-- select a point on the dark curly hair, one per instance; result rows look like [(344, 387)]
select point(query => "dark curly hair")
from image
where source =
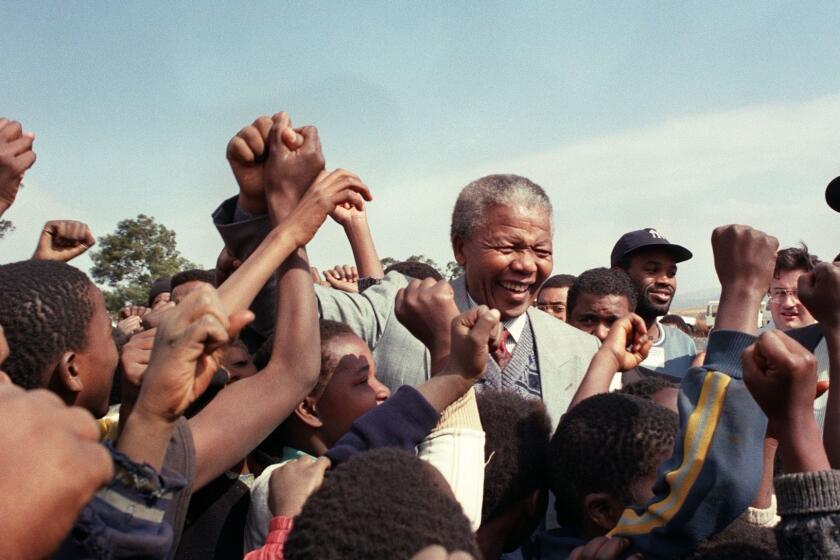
[(605, 444), (795, 258), (415, 269), (194, 275), (383, 503), (559, 281), (602, 282), (647, 386), (45, 310), (517, 431)]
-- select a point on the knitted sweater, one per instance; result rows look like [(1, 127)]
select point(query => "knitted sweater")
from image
[(809, 504)]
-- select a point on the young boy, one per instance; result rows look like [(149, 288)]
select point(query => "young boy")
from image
[(347, 388), (604, 457)]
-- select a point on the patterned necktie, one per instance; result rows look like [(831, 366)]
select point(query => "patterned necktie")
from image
[(501, 354)]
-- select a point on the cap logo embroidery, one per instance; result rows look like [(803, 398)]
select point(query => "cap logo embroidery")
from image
[(655, 234)]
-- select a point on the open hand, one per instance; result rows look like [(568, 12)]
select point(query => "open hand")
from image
[(344, 278), (186, 353), (292, 484), (63, 240), (331, 189), (16, 156)]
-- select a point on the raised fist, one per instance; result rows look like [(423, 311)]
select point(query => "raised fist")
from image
[(16, 156), (781, 376), (819, 291), (294, 163), (63, 240), (744, 257), (426, 308), (474, 333), (628, 342), (58, 447), (292, 484)]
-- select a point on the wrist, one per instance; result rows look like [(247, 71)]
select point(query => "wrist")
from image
[(4, 205), (608, 359), (254, 205)]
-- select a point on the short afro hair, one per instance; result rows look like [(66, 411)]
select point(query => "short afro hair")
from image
[(45, 310), (383, 503), (559, 281), (606, 443), (416, 269), (603, 282), (193, 275), (795, 258), (646, 387), (517, 431)]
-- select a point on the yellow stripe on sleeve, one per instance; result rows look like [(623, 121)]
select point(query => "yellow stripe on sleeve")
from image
[(700, 429)]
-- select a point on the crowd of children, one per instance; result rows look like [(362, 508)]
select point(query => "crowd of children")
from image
[(254, 412)]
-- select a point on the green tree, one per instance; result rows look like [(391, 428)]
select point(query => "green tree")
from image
[(128, 260), (453, 270), (6, 227)]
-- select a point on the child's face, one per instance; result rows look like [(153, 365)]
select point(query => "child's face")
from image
[(98, 360), (238, 362), (353, 388)]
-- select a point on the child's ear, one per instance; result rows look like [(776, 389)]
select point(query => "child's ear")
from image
[(602, 510), (307, 412), (67, 374)]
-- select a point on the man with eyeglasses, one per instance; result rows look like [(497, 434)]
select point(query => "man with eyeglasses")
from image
[(788, 312), (553, 295)]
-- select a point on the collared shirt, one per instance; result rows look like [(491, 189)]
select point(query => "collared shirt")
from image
[(513, 325)]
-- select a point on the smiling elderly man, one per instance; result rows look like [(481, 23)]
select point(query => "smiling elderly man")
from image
[(501, 235)]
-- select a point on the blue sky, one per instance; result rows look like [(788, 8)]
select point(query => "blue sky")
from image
[(680, 116)]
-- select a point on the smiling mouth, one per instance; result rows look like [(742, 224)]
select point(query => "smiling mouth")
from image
[(515, 287)]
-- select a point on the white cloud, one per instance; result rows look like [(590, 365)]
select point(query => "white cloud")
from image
[(763, 165)]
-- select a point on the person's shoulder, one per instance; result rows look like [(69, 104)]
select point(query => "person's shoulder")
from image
[(676, 337)]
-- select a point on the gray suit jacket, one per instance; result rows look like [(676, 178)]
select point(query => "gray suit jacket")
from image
[(563, 352)]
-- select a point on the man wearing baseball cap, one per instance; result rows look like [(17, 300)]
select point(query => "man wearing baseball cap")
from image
[(651, 262)]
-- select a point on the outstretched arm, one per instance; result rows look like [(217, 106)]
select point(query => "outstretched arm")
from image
[(244, 413)]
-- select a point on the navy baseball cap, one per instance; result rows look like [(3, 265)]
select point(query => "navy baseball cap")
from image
[(832, 194), (643, 238)]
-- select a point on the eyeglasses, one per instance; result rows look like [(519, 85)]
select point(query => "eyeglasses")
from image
[(551, 307), (779, 295)]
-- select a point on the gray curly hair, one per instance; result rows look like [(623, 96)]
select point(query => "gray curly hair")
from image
[(492, 190)]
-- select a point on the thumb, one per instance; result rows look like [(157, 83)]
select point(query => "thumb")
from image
[(239, 321), (822, 387), (487, 323)]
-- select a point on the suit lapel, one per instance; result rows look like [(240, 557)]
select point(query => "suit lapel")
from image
[(551, 357)]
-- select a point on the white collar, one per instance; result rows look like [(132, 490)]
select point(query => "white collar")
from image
[(514, 326)]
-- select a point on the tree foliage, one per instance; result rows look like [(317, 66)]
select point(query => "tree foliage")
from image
[(6, 227), (453, 269), (130, 259)]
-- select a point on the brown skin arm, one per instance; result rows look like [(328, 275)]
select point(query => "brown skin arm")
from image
[(244, 413)]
